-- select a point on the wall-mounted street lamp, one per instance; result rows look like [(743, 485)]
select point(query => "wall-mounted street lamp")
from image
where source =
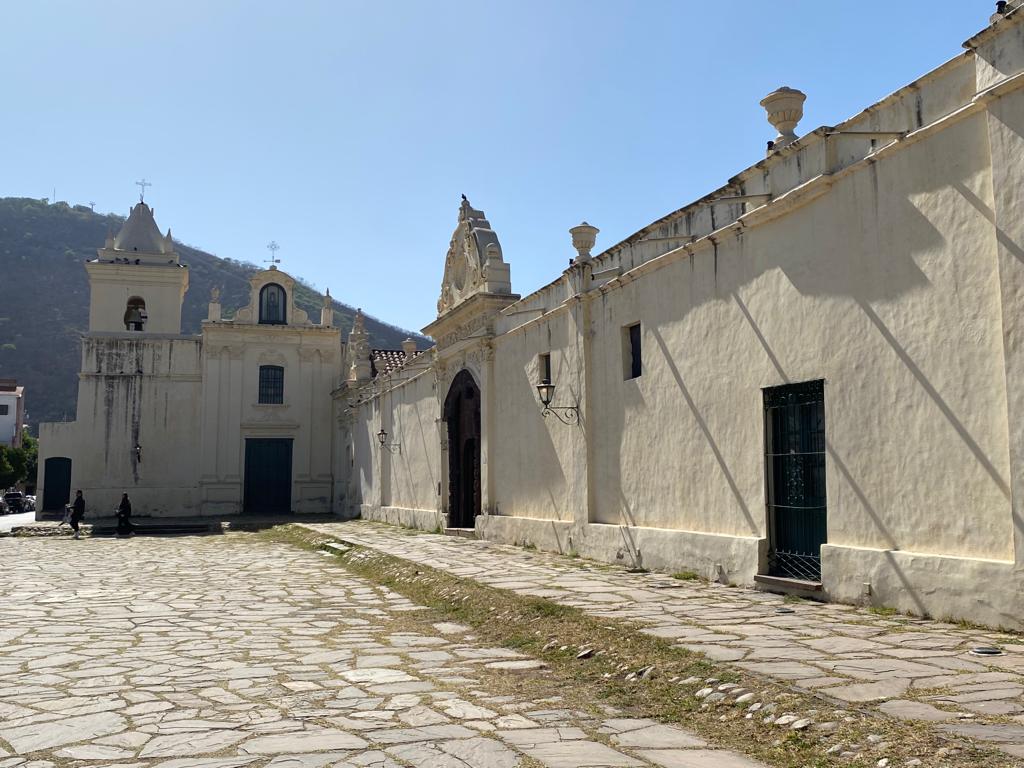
[(382, 438), (567, 414), (137, 450)]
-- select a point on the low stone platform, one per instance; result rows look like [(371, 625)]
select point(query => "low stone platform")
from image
[(106, 525)]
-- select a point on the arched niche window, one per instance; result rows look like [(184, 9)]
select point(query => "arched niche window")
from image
[(135, 314), (272, 299), (271, 385)]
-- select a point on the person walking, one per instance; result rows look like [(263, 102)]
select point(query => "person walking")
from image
[(77, 512), (124, 513)]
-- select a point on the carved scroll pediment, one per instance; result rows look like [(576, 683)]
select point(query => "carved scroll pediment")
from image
[(473, 263)]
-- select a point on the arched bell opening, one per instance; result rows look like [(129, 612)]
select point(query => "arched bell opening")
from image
[(135, 316)]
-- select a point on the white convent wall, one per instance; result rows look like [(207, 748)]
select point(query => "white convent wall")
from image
[(541, 463), (401, 482), (886, 288), (897, 279)]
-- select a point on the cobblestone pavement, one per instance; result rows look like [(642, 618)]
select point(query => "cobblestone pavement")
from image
[(916, 669), (225, 651)]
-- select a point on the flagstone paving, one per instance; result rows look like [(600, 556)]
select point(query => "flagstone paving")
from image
[(232, 652), (911, 668)]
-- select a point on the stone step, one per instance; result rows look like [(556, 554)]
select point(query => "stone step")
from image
[(465, 533), (161, 529)]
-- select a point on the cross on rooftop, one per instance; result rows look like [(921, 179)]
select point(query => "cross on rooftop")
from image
[(273, 247), (142, 185)]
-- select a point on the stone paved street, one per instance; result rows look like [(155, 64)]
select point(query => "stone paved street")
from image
[(909, 668), (225, 651)]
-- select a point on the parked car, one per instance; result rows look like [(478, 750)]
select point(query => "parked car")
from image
[(30, 503), (3, 507), (15, 501)]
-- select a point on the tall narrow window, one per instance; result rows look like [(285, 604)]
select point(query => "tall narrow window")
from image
[(135, 314), (271, 385), (794, 437), (272, 300), (544, 368), (632, 366)]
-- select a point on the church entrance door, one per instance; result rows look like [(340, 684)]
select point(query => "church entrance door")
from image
[(268, 476), (56, 483), (462, 414)]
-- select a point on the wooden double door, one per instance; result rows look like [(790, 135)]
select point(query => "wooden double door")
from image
[(268, 476)]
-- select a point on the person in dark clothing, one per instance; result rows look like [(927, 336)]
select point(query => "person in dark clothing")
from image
[(124, 513), (77, 512)]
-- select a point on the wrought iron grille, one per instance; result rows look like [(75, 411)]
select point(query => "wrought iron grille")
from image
[(794, 419), (271, 385)]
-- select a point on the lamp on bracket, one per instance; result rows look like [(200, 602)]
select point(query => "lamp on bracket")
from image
[(382, 439), (567, 414)]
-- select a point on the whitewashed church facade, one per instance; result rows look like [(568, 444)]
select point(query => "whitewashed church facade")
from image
[(220, 423), (811, 378)]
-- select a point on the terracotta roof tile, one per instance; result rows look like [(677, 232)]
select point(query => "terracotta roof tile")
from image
[(384, 361)]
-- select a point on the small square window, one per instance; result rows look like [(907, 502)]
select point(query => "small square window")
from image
[(5, 409), (632, 366), (544, 368)]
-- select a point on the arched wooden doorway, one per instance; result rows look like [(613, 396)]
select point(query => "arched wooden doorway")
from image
[(462, 414)]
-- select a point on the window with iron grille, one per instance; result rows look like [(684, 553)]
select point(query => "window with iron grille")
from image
[(794, 436), (271, 385)]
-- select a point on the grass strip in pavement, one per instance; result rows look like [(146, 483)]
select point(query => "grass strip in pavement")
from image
[(597, 661)]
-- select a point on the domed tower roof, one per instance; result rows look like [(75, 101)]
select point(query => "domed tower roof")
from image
[(140, 234)]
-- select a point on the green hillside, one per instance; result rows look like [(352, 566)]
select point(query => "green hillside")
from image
[(44, 298)]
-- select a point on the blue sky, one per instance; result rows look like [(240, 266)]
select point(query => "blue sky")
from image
[(346, 131)]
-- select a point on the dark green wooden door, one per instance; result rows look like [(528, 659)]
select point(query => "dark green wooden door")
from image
[(268, 476), (57, 483), (794, 423)]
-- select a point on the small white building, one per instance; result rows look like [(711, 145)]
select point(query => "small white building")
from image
[(12, 413)]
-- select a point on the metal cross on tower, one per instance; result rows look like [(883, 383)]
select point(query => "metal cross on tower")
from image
[(142, 185), (273, 247)]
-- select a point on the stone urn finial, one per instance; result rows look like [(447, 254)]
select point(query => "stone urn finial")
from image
[(785, 107), (583, 238)]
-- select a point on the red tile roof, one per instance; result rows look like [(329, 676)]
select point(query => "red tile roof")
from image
[(384, 361)]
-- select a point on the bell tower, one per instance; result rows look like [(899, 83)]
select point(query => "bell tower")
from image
[(137, 283)]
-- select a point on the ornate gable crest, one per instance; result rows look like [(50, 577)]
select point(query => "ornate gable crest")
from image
[(474, 263)]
